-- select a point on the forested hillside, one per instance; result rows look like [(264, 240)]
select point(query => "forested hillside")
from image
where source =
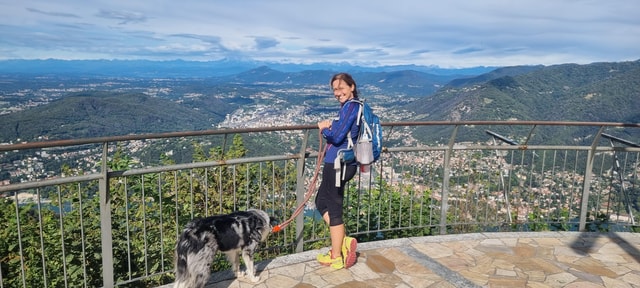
[(599, 92), (96, 114)]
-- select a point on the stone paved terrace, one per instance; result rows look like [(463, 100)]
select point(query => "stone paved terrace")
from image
[(527, 259)]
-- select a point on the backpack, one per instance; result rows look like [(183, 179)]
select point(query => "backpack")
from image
[(368, 147)]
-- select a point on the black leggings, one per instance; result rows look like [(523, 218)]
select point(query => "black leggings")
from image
[(331, 198)]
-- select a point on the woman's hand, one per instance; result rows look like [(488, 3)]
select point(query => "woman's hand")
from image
[(325, 124)]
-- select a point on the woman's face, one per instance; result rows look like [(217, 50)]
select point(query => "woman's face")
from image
[(342, 91)]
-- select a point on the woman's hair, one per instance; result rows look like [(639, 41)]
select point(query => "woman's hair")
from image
[(347, 79)]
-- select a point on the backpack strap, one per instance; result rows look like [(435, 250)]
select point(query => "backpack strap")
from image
[(360, 111), (337, 167), (367, 133), (350, 144)]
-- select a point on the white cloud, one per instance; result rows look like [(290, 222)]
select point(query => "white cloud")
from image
[(453, 33)]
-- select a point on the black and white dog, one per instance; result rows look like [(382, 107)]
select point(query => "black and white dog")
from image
[(233, 234)]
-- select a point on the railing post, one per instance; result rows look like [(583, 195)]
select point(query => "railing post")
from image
[(588, 173), (300, 191), (500, 167), (444, 206), (105, 222)]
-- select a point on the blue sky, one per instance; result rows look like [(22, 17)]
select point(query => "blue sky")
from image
[(445, 33)]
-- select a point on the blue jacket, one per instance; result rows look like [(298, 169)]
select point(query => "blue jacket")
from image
[(344, 125)]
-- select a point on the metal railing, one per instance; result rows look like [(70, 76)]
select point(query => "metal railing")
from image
[(115, 224)]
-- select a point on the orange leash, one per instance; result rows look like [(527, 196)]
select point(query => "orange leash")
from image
[(310, 191)]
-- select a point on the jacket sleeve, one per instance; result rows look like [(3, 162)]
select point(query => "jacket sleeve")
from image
[(341, 127)]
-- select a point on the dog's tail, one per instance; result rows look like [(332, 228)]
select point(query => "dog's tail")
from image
[(193, 258), (182, 270)]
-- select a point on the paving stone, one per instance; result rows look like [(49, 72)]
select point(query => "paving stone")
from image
[(610, 258), (484, 259), (380, 264), (495, 249), (547, 242), (621, 269), (586, 276), (408, 266), (442, 284), (480, 279), (250, 285), (461, 245), (418, 282), (536, 276), (546, 265), (483, 267), (336, 277), (531, 284), (383, 282), (583, 284), (510, 242), (455, 263), (521, 274), (434, 250), (615, 283), (567, 259), (475, 253), (547, 259), (362, 272), (499, 282), (281, 281), (462, 255), (492, 242), (632, 264), (354, 284), (524, 250), (506, 273), (500, 264), (569, 251), (508, 258), (612, 247), (593, 266), (560, 279), (315, 279), (293, 271), (633, 278)]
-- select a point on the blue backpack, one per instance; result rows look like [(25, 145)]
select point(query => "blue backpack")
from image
[(369, 144)]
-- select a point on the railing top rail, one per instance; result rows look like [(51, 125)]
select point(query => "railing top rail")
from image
[(97, 140), (512, 123)]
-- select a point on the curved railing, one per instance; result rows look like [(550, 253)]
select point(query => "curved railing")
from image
[(107, 218)]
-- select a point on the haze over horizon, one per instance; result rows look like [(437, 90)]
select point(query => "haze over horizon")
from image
[(448, 34)]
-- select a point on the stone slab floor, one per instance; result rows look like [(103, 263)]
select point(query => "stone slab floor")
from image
[(531, 259)]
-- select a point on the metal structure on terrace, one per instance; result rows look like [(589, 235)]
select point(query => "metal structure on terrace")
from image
[(106, 218)]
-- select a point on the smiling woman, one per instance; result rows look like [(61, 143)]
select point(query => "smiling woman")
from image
[(337, 172)]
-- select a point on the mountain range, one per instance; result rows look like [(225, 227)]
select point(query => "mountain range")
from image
[(196, 69), (607, 92)]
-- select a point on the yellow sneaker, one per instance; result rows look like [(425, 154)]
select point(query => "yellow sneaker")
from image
[(337, 263), (349, 246), (325, 259)]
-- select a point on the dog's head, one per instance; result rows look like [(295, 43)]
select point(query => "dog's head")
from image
[(267, 221)]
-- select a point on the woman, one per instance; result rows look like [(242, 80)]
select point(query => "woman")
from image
[(336, 173)]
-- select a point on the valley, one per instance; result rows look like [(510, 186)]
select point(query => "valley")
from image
[(40, 107)]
